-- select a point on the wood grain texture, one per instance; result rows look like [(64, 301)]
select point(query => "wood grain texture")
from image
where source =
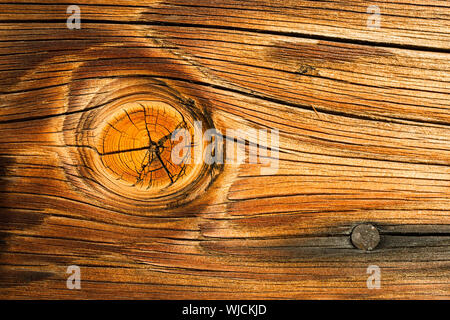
[(363, 117)]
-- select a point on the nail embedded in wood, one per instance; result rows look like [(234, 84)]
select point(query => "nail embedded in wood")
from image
[(365, 237)]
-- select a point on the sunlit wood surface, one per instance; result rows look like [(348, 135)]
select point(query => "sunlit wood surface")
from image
[(363, 116)]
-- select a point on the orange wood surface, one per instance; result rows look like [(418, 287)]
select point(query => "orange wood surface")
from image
[(363, 117)]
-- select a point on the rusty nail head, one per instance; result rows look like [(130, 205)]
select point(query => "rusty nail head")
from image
[(365, 237)]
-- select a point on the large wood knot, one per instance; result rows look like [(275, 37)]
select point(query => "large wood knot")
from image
[(125, 145), (136, 145)]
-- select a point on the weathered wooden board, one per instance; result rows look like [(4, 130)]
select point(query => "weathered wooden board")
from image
[(419, 23), (363, 117)]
